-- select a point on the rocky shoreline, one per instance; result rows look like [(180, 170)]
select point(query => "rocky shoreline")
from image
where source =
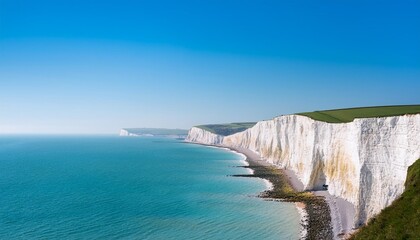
[(318, 222), (285, 188)]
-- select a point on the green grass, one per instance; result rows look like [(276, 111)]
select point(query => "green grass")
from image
[(227, 129), (401, 220), (349, 114)]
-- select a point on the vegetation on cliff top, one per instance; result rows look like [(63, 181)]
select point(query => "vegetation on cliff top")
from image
[(330, 116), (401, 220), (349, 114), (227, 129)]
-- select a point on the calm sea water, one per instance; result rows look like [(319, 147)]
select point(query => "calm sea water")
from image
[(131, 188)]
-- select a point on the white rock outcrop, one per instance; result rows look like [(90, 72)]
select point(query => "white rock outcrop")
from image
[(199, 135), (124, 133), (364, 161)]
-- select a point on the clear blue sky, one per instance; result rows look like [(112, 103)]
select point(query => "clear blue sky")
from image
[(97, 66)]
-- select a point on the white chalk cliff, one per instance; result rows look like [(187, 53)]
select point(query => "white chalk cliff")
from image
[(124, 132), (199, 135), (364, 161)]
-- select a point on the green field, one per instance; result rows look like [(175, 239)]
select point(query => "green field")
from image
[(227, 129), (401, 220), (349, 114), (330, 116)]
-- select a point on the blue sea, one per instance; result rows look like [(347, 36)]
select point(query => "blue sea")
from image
[(106, 187)]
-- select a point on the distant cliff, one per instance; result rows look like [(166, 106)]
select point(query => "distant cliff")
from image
[(364, 161), (154, 132)]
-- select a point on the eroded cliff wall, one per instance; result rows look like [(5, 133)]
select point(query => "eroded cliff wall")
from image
[(199, 135), (364, 161)]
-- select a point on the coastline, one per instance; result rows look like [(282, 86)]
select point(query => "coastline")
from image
[(341, 211), (314, 210), (285, 186)]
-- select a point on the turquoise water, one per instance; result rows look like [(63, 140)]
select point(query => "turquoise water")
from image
[(66, 187)]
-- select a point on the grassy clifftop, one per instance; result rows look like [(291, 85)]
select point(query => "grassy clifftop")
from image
[(227, 129), (330, 116), (401, 220), (349, 114)]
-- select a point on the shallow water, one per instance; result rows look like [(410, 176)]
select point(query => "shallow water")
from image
[(78, 187)]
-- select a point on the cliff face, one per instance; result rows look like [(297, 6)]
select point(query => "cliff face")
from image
[(364, 161), (199, 135), (124, 132)]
